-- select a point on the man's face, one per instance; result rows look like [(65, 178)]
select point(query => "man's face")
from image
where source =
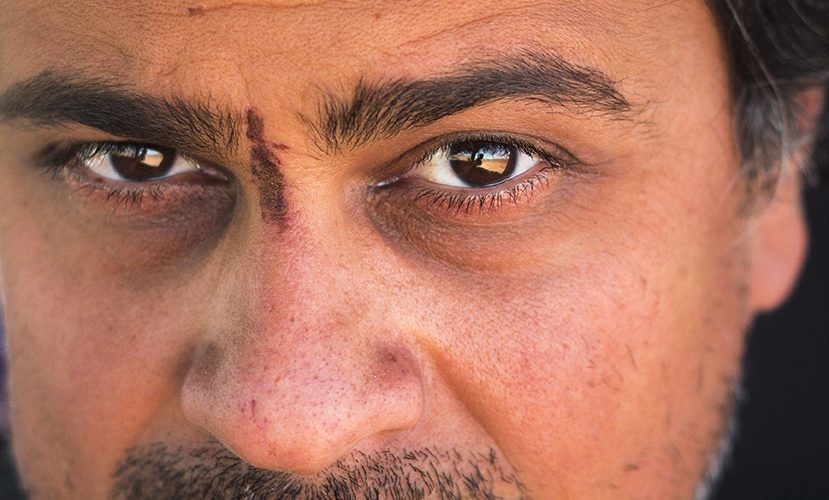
[(413, 247)]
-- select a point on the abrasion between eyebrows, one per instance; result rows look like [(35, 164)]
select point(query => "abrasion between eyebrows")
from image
[(266, 169)]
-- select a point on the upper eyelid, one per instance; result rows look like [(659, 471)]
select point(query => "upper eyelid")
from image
[(72, 156), (65, 151), (554, 153), (561, 156), (87, 151), (106, 147), (81, 151)]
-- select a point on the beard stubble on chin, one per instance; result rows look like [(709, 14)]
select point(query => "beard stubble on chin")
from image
[(157, 471)]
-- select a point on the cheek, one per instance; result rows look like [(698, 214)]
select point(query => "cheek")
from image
[(96, 345), (87, 372), (606, 361)]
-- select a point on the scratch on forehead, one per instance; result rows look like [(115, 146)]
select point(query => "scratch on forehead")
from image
[(265, 167)]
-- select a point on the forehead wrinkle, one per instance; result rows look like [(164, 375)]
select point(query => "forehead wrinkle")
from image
[(217, 6), (487, 20), (198, 8), (551, 19)]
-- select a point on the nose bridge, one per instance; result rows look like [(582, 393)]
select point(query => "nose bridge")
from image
[(309, 375)]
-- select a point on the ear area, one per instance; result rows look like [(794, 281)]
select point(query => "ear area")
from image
[(780, 238), (779, 242)]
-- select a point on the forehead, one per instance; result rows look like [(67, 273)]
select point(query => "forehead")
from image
[(261, 46)]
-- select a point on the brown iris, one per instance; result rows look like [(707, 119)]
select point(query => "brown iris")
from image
[(140, 163), (482, 163)]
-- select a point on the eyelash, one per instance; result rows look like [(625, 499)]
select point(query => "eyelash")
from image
[(61, 162), (486, 202), (505, 139), (467, 201), (64, 161)]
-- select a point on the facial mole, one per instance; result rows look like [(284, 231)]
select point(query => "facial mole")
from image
[(196, 10), (265, 168)]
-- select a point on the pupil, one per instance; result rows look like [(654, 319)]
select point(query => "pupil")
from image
[(141, 163), (482, 163)]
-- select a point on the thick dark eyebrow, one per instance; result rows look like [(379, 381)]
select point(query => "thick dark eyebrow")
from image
[(384, 109), (54, 98)]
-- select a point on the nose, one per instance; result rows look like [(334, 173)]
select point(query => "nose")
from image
[(308, 379), (301, 404)]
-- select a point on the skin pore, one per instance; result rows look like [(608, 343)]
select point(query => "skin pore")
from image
[(572, 332)]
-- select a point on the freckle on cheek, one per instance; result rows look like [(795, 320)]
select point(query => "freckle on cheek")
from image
[(265, 167)]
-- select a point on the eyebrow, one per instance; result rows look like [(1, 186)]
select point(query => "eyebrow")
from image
[(54, 98), (372, 110), (384, 109)]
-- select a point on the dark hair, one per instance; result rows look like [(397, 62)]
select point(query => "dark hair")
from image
[(777, 48)]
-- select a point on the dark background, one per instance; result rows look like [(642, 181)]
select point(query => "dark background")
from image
[(782, 450)]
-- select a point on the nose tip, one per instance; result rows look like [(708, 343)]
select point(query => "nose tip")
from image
[(302, 409)]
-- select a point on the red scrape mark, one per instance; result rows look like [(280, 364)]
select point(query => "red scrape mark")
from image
[(265, 167)]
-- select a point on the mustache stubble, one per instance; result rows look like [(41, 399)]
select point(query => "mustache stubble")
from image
[(158, 471)]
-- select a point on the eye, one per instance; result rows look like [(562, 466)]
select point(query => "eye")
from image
[(477, 174), (128, 174), (474, 164), (135, 162)]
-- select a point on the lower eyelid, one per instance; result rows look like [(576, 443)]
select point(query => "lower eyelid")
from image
[(502, 200), (418, 221), (124, 200), (182, 223)]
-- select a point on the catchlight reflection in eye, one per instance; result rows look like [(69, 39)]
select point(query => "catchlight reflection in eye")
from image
[(474, 164), (136, 163)]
